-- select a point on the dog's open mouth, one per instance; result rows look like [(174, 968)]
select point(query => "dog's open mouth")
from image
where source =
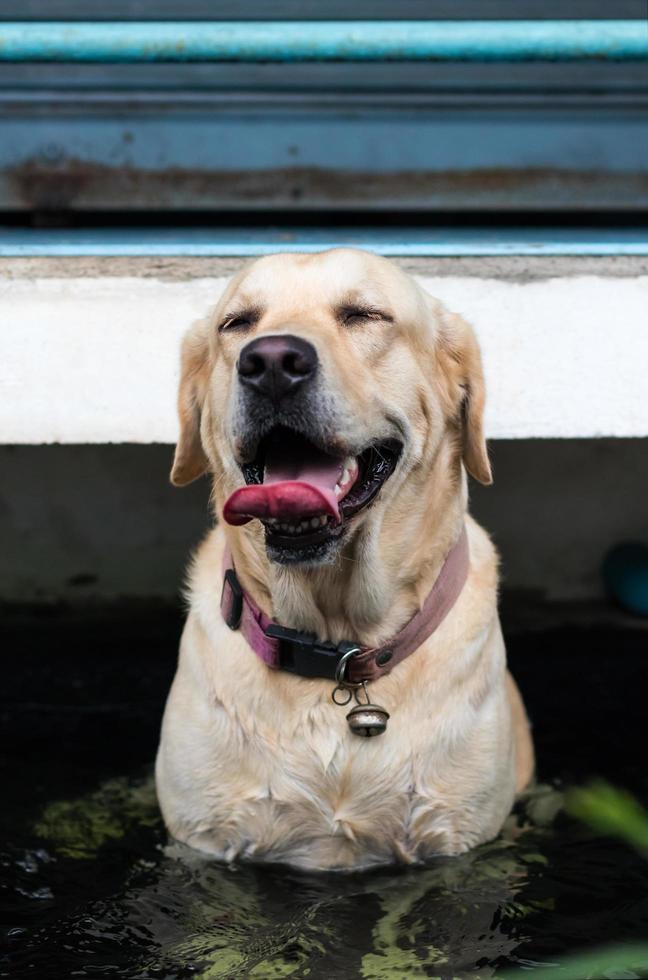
[(303, 494)]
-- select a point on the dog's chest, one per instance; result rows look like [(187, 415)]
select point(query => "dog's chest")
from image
[(319, 796)]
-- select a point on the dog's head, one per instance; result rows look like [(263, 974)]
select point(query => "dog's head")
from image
[(320, 387)]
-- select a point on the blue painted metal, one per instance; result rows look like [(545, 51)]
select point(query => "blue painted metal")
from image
[(252, 41), (244, 242), (589, 156)]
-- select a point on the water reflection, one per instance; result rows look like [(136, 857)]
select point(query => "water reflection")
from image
[(103, 892)]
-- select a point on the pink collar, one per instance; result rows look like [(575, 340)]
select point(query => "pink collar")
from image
[(304, 654)]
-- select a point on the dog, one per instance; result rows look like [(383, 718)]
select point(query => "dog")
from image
[(337, 407)]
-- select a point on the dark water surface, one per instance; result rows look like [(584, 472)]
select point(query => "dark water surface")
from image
[(91, 887)]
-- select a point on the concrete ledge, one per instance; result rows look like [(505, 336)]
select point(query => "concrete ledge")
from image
[(171, 268)]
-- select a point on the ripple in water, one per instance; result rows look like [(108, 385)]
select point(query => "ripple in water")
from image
[(100, 891)]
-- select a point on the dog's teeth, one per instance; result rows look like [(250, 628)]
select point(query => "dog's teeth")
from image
[(349, 468), (298, 528)]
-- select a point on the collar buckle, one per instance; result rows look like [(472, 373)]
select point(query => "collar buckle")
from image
[(304, 654)]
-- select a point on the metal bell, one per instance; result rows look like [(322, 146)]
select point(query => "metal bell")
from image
[(367, 720)]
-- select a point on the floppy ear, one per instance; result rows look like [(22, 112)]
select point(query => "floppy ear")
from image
[(190, 460), (462, 362)]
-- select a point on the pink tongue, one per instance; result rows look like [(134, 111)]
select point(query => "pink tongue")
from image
[(298, 482)]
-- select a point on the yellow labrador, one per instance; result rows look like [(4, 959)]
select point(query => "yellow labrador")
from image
[(337, 406)]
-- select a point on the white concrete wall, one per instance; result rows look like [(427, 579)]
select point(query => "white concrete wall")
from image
[(94, 360)]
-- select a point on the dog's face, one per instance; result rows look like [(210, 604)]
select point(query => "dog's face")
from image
[(318, 388)]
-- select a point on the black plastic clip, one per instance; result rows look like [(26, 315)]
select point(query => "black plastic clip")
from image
[(305, 655), (232, 600)]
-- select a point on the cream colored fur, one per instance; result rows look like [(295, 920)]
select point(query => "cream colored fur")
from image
[(255, 763)]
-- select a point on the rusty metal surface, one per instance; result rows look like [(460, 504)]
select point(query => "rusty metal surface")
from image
[(293, 157), (417, 137), (81, 186)]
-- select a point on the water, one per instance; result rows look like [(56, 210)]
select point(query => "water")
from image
[(92, 887)]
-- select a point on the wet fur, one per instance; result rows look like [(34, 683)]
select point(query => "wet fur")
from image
[(260, 764)]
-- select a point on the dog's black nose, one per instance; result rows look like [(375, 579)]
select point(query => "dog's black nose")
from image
[(276, 366)]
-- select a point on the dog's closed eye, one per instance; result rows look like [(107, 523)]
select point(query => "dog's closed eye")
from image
[(356, 315), (241, 320)]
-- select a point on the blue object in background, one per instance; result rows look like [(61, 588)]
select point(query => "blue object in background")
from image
[(625, 573)]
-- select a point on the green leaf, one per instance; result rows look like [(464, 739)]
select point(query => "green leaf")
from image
[(610, 811)]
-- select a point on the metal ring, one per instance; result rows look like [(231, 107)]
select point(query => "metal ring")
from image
[(340, 670), (346, 691)]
